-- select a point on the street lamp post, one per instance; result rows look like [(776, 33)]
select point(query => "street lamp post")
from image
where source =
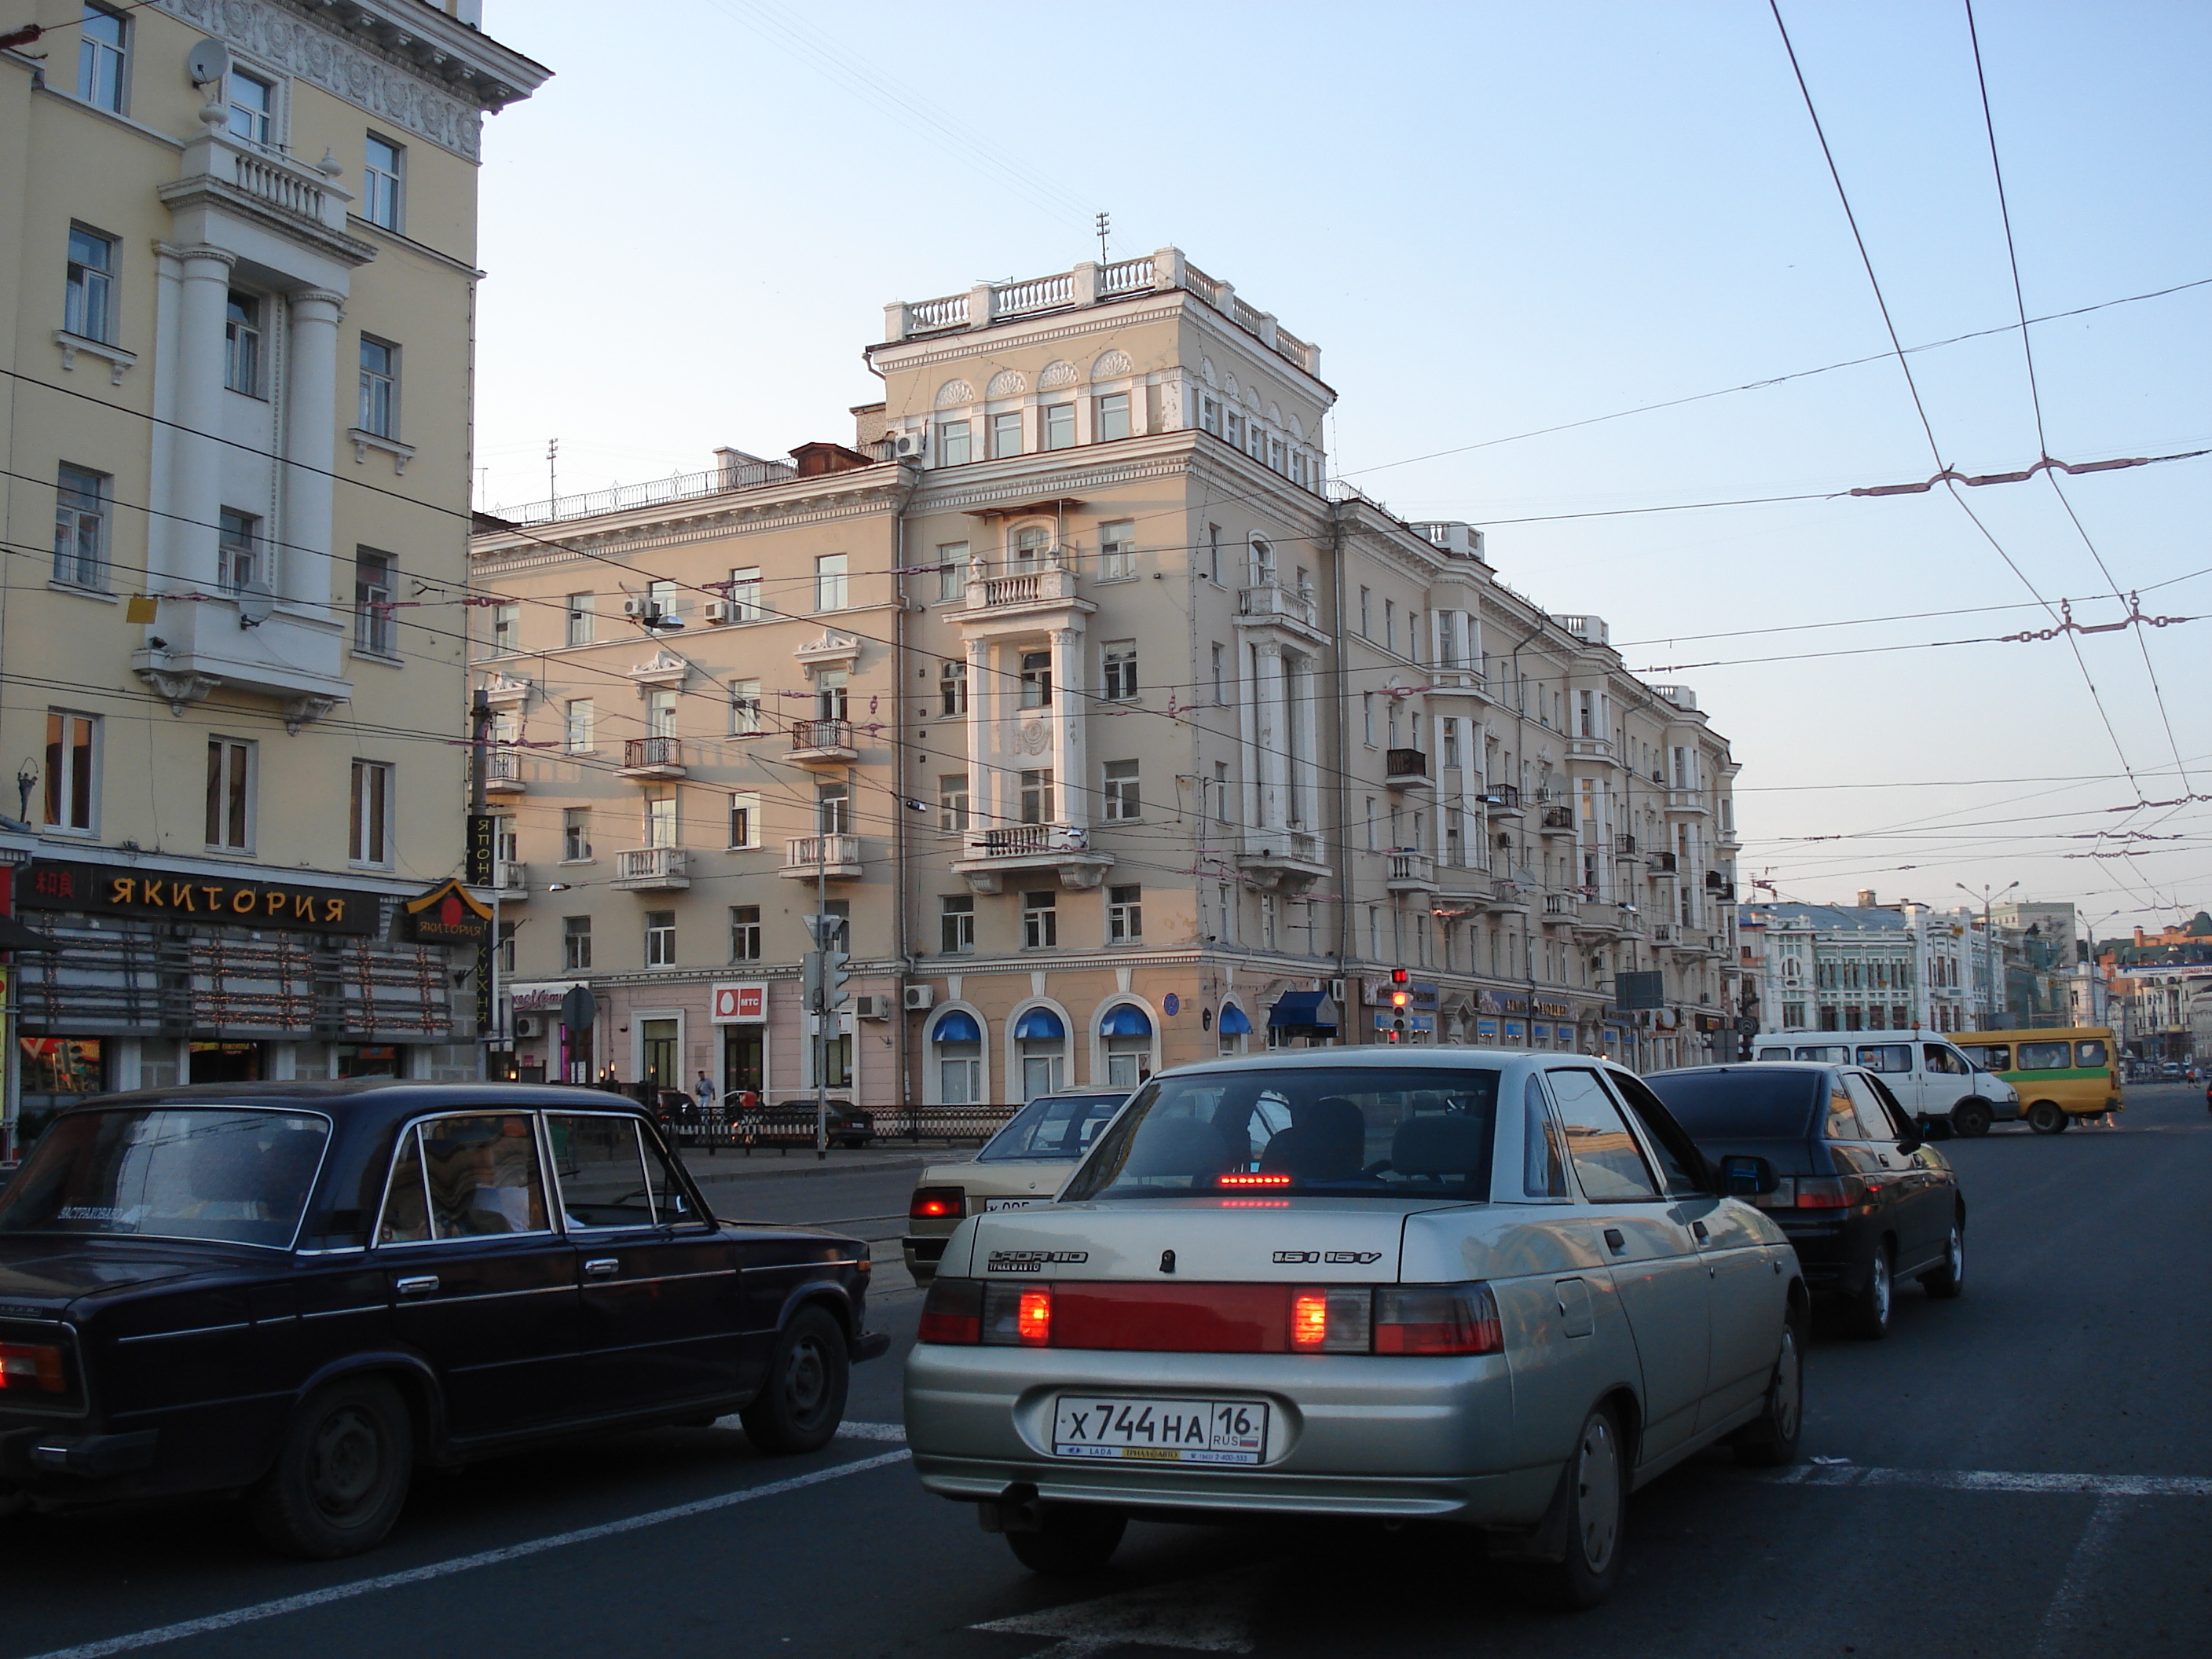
[(1990, 958)]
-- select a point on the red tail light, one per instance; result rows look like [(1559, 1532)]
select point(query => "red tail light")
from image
[(1309, 1320), (1437, 1319), (938, 1203), (1144, 1318), (1822, 1193), (1033, 1319), (954, 1311), (32, 1366)]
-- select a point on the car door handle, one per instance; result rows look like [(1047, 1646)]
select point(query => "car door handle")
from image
[(417, 1285), (1613, 1238), (1698, 1228), (602, 1267)]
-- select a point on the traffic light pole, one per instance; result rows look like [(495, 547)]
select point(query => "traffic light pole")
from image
[(822, 997)]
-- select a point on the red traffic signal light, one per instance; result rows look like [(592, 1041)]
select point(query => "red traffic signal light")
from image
[(1400, 976), (1400, 999)]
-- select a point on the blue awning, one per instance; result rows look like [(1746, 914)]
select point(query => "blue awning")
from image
[(1125, 1021), (957, 1027), (1233, 1023), (1303, 1011), (1041, 1022)]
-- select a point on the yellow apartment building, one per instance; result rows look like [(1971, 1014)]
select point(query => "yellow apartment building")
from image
[(238, 294), (1121, 736)]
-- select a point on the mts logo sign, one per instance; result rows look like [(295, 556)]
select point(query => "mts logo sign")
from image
[(740, 1004)]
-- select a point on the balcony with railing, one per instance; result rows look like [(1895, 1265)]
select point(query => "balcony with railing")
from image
[(1692, 802), (1662, 864), (229, 175), (1558, 907), (1503, 800), (651, 757), (1590, 750), (503, 772), (1624, 847), (1411, 872), (652, 870), (1283, 859), (511, 881), (1509, 899), (1027, 595), (1406, 769), (830, 858), (738, 472), (1602, 916), (1272, 604), (813, 741), (1558, 821), (988, 855)]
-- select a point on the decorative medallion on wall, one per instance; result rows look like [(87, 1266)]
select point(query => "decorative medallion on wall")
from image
[(1057, 374), (1006, 383), (1206, 371), (1112, 366), (1036, 737), (954, 392)]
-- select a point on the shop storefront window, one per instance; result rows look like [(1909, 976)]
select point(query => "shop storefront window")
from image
[(658, 1059), (229, 1062), (57, 1073), (368, 1059)]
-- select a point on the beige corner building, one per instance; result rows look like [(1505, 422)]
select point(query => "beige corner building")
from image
[(238, 292), (1122, 737)]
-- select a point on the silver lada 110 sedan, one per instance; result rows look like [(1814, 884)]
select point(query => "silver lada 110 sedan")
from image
[(1492, 1288)]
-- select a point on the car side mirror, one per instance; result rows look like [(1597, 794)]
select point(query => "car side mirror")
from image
[(1743, 1175)]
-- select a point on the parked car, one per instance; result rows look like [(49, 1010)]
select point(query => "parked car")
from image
[(1021, 1165), (302, 1291), (1929, 1073), (1864, 1200), (1471, 1285)]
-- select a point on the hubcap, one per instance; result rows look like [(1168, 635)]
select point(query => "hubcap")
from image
[(1955, 1256), (805, 1379), (346, 1464), (1789, 1387), (1597, 1482), (1880, 1286)]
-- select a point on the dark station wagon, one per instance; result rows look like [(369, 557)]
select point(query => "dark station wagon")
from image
[(301, 1291)]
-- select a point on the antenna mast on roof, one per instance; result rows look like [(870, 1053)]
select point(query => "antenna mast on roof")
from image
[(1105, 222)]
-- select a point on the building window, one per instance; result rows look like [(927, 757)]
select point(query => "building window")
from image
[(1041, 919), (1117, 550), (1451, 745), (577, 719), (744, 932), (102, 43), (88, 310), (830, 582), (660, 713), (80, 527), (952, 445), (238, 544), (372, 625), (832, 694), (956, 924), (1005, 434), (745, 819), (1218, 659), (72, 769), (746, 708), (1111, 417), (381, 182), (1118, 658), (661, 938), (1364, 599), (1367, 718), (1125, 914), (952, 572), (952, 803), (1263, 560), (1031, 544), (242, 344), (252, 105), (575, 835), (368, 839), (1221, 792), (661, 602), (833, 809), (1370, 823), (506, 625), (745, 594), (575, 944), (1036, 797), (1233, 429), (1122, 790), (952, 687), (380, 388), (661, 824), (1209, 415), (580, 618), (1213, 554), (229, 795), (1037, 679)]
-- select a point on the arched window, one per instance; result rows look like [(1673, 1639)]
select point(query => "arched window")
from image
[(1031, 543), (1040, 1042), (1234, 1028), (1261, 561), (957, 1041), (1126, 1034)]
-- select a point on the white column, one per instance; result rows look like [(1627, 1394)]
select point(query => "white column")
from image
[(303, 571), (196, 487), (981, 691), (1271, 733), (1067, 759)]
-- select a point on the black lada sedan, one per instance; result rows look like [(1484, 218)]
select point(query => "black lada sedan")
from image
[(301, 1291)]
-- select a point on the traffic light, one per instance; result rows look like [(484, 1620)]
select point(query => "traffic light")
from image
[(810, 981), (836, 969), (1401, 997)]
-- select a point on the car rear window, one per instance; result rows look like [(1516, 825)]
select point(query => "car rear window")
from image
[(226, 1173), (1745, 1105), (1346, 1133), (1051, 1127)]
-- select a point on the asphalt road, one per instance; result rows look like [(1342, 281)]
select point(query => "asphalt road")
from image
[(2022, 1473)]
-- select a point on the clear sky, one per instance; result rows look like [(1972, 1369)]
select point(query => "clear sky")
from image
[(1497, 218)]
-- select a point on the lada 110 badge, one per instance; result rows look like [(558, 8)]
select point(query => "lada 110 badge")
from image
[(1030, 1261), (1335, 1258)]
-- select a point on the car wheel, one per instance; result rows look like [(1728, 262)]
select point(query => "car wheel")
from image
[(2046, 1118), (341, 1474), (1070, 1540), (1971, 1118), (802, 1402), (1948, 1280), (1867, 1314), (1769, 1441), (1597, 1501)]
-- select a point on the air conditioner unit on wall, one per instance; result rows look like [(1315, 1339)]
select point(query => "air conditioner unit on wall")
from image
[(718, 610), (633, 606), (529, 1025), (921, 996), (872, 1007), (909, 446)]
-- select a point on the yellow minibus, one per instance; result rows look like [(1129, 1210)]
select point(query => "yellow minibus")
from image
[(2062, 1073)]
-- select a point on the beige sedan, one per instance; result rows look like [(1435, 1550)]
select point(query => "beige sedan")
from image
[(1024, 1164)]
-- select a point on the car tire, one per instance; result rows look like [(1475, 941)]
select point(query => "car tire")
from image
[(1597, 1506), (1949, 1280), (1070, 1540), (1867, 1314), (1971, 1118), (803, 1401), (341, 1475), (1769, 1441), (2046, 1117)]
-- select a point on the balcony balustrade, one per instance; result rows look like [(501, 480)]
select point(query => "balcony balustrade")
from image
[(1406, 769), (1504, 801), (652, 869), (1558, 820), (503, 772), (1411, 873), (833, 857), (822, 740), (651, 757)]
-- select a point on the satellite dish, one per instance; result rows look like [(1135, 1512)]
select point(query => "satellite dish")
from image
[(208, 62), (255, 602)]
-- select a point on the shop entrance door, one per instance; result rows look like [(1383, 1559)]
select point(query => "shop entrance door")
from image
[(229, 1063), (745, 1058), (658, 1055)]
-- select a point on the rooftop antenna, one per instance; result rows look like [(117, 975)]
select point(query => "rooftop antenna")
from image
[(552, 449), (1105, 222)]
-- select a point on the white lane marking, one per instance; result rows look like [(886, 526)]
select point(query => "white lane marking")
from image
[(892, 1432), (278, 1609), (2101, 1486), (2065, 1609), (1212, 1615)]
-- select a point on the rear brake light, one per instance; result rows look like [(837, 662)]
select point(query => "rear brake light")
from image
[(1308, 1319), (1017, 1316), (954, 1311), (32, 1365), (938, 1203), (1239, 1182), (1033, 1319), (1822, 1193), (1437, 1319)]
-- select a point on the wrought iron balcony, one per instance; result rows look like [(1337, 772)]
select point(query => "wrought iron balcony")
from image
[(503, 772), (1558, 820), (651, 757), (822, 740), (1406, 769)]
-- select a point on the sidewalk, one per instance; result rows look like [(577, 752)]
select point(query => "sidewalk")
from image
[(731, 1163)]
